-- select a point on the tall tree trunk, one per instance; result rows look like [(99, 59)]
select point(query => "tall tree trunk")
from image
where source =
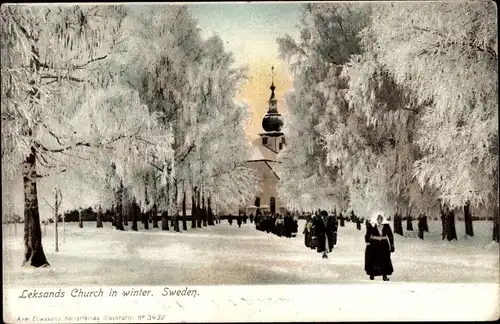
[(33, 249), (172, 217), (184, 216), (495, 235), (194, 213), (112, 213), (421, 226), (199, 212), (210, 213), (496, 224), (119, 208), (469, 230), (204, 213), (80, 218), (126, 207), (145, 217), (444, 223), (452, 232), (176, 212), (135, 213), (56, 212), (126, 213), (99, 217), (164, 214), (154, 215), (154, 212), (64, 228)]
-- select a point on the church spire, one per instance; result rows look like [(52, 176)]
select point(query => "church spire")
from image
[(272, 122), (272, 85)]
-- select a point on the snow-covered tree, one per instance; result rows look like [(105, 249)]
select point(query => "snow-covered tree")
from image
[(328, 39), (218, 163), (444, 52), (59, 96), (192, 83)]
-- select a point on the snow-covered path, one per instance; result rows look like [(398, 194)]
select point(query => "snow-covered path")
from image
[(229, 255)]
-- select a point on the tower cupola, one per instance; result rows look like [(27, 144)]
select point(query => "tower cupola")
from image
[(272, 123)]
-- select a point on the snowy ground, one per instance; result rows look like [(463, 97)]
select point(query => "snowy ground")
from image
[(229, 255)]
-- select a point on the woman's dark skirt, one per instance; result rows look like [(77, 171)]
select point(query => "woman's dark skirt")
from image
[(378, 258)]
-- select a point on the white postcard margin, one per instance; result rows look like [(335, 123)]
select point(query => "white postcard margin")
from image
[(371, 301)]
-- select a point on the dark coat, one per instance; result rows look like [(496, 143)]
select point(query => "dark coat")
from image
[(324, 230), (378, 251), (288, 226), (279, 227)]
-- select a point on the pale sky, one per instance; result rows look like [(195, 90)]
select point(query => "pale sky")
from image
[(250, 30)]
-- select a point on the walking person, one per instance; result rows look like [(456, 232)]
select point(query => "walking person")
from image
[(308, 232), (238, 221), (280, 226), (324, 231), (379, 246)]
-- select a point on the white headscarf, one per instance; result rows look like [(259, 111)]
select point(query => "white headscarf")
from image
[(373, 220)]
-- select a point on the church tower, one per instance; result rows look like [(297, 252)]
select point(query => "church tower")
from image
[(272, 137)]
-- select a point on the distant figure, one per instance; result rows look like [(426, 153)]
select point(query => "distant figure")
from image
[(245, 217), (353, 217), (230, 219), (258, 220), (251, 218), (379, 246), (238, 221), (421, 226), (279, 226), (288, 226), (295, 224), (308, 232), (268, 222), (324, 228)]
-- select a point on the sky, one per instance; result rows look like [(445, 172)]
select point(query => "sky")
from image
[(250, 30)]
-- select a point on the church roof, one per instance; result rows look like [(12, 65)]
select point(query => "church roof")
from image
[(277, 168), (261, 153)]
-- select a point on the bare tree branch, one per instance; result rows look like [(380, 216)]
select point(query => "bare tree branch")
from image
[(48, 204), (49, 174), (53, 134), (76, 67), (63, 77)]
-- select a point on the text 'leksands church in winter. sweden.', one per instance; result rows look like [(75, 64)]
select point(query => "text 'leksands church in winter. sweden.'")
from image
[(264, 160)]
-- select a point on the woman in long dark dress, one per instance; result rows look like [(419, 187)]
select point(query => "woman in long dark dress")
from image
[(379, 246), (324, 227)]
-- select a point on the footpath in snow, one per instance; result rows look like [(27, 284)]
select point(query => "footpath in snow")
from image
[(224, 254)]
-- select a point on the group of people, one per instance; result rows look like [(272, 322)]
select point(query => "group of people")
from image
[(280, 225), (320, 233), (240, 219)]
